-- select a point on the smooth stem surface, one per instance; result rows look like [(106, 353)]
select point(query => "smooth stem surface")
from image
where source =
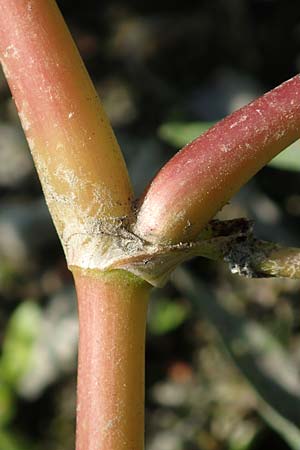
[(80, 165), (110, 393), (200, 179)]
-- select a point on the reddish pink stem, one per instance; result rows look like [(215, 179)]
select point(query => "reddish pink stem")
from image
[(205, 174), (110, 394)]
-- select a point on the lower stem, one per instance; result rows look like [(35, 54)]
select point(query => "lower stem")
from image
[(110, 393)]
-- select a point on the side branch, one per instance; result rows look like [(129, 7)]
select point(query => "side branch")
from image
[(232, 241), (200, 179)]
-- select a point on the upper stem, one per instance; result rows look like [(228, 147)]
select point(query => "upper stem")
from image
[(112, 317), (78, 159)]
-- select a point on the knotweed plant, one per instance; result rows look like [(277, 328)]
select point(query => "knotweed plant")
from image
[(117, 251)]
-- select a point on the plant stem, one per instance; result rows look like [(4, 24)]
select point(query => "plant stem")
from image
[(200, 179), (112, 317), (78, 159)]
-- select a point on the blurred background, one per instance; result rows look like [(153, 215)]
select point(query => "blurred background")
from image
[(223, 356)]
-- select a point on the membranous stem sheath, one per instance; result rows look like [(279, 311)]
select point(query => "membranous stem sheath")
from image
[(112, 316)]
